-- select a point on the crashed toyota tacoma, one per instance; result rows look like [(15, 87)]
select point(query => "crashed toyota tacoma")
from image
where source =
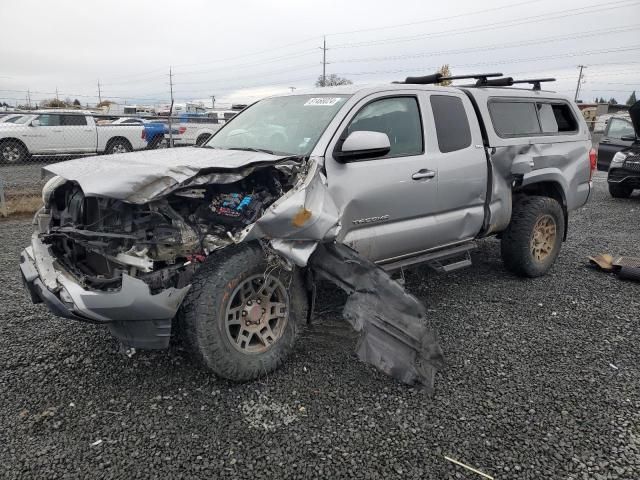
[(226, 242)]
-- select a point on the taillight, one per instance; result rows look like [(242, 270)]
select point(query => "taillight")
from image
[(144, 134), (593, 162), (181, 130)]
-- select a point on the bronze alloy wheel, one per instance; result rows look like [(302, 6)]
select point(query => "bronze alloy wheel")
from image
[(543, 238), (257, 314)]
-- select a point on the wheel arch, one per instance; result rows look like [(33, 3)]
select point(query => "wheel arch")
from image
[(112, 140), (14, 140)]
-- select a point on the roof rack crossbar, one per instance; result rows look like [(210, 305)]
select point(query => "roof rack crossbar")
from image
[(438, 77), (535, 82)]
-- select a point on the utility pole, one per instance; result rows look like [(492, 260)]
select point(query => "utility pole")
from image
[(99, 93), (324, 61), (292, 89), (581, 67), (213, 101), (57, 94), (171, 107)]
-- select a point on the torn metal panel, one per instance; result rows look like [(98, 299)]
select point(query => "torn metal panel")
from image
[(299, 219), (395, 335), (153, 173)]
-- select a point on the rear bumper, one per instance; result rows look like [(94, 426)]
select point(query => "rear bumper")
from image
[(134, 315)]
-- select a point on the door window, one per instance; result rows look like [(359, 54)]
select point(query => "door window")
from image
[(452, 124), (49, 120), (74, 120), (619, 127), (399, 118)]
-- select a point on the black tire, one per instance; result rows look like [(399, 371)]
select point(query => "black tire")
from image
[(204, 314), (202, 139), (118, 145), (521, 248), (620, 191), (12, 151)]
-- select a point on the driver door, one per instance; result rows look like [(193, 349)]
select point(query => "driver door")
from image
[(388, 202)]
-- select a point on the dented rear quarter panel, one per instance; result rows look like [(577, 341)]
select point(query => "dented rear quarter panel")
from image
[(559, 158)]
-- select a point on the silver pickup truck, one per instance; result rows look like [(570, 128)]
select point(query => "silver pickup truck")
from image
[(224, 240)]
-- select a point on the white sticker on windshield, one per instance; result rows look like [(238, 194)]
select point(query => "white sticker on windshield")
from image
[(322, 102)]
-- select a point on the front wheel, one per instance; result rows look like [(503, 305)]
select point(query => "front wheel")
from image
[(241, 318), (531, 243), (13, 152), (620, 191)]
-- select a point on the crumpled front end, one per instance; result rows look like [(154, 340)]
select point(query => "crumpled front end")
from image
[(127, 260)]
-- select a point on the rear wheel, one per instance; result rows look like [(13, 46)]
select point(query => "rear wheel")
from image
[(13, 152), (241, 318), (119, 145), (620, 191), (531, 242)]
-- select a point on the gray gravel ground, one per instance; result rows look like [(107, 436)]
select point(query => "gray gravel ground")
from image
[(542, 381)]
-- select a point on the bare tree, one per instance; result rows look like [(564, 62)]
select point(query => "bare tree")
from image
[(446, 72), (332, 81)]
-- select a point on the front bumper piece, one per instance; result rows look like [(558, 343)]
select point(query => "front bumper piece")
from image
[(134, 315)]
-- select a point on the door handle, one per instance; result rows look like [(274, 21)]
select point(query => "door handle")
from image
[(57, 131), (420, 174), (604, 140)]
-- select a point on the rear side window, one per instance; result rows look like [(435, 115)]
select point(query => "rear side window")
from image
[(49, 120), (399, 118), (512, 119), (74, 120), (556, 118), (452, 125)]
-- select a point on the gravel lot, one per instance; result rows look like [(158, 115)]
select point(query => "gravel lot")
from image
[(542, 381)]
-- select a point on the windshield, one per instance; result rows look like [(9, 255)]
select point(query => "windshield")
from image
[(282, 125)]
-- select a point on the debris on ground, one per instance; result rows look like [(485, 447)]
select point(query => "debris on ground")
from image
[(471, 469), (395, 337), (627, 268)]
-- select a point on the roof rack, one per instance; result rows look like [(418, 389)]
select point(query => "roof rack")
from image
[(509, 81), (438, 77)]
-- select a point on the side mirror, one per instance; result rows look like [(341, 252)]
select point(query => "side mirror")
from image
[(361, 145), (628, 138), (35, 123)]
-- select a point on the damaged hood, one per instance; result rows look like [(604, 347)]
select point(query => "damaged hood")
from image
[(138, 177)]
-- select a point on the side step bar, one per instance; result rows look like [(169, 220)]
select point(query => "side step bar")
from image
[(445, 260)]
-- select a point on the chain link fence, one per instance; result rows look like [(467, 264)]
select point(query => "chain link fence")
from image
[(30, 140)]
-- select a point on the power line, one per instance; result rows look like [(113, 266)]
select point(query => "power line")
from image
[(501, 24), (496, 46), (437, 19)]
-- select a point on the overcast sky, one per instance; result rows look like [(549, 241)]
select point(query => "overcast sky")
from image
[(241, 50)]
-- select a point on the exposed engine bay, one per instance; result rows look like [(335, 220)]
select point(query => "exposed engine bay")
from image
[(97, 239)]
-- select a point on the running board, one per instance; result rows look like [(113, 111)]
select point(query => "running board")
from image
[(445, 260)]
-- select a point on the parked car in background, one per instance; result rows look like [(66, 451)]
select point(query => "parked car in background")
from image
[(66, 132), (196, 129), (618, 135), (624, 169)]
